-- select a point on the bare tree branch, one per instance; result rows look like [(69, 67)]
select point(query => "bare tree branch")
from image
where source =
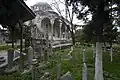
[(70, 14)]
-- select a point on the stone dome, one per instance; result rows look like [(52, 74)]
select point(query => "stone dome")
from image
[(43, 6)]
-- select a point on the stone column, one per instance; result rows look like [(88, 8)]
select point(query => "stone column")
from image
[(10, 58), (60, 29), (51, 41), (60, 32), (52, 23), (65, 32)]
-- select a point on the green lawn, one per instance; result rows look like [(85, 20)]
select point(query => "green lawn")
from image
[(74, 65), (6, 47), (111, 69)]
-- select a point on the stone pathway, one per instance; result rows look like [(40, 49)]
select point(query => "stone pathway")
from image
[(61, 45)]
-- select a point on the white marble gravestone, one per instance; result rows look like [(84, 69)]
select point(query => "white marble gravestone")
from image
[(58, 71), (30, 55), (84, 73), (66, 76), (46, 76)]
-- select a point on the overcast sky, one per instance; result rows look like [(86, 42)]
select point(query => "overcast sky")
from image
[(62, 7)]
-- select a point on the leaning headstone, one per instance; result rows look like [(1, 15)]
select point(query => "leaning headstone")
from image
[(84, 74), (66, 76), (10, 58), (16, 53), (58, 71), (30, 55), (71, 48), (46, 76), (69, 55)]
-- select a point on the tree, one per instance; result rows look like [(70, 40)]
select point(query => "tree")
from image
[(100, 10), (69, 16), (79, 36), (27, 34)]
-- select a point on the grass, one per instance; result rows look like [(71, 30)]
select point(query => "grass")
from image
[(74, 65), (6, 47), (111, 69)]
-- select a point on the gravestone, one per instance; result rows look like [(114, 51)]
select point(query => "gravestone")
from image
[(10, 58), (42, 54), (30, 55), (39, 51), (37, 55), (58, 71), (69, 56), (84, 58), (33, 66), (46, 76), (71, 48), (46, 55), (16, 54), (84, 74), (66, 76)]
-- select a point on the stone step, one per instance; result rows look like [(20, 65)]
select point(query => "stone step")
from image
[(2, 60), (1, 57)]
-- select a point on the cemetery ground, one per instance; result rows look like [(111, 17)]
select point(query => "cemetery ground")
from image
[(74, 65), (111, 69)]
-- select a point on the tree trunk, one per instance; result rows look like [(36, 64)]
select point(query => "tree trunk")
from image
[(12, 37), (111, 52), (73, 37), (104, 47), (94, 50), (98, 62)]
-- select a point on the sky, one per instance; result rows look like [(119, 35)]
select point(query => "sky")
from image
[(62, 7)]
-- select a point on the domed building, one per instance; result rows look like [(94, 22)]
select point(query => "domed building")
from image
[(48, 30), (48, 22)]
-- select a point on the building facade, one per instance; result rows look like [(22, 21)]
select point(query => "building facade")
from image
[(48, 22)]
